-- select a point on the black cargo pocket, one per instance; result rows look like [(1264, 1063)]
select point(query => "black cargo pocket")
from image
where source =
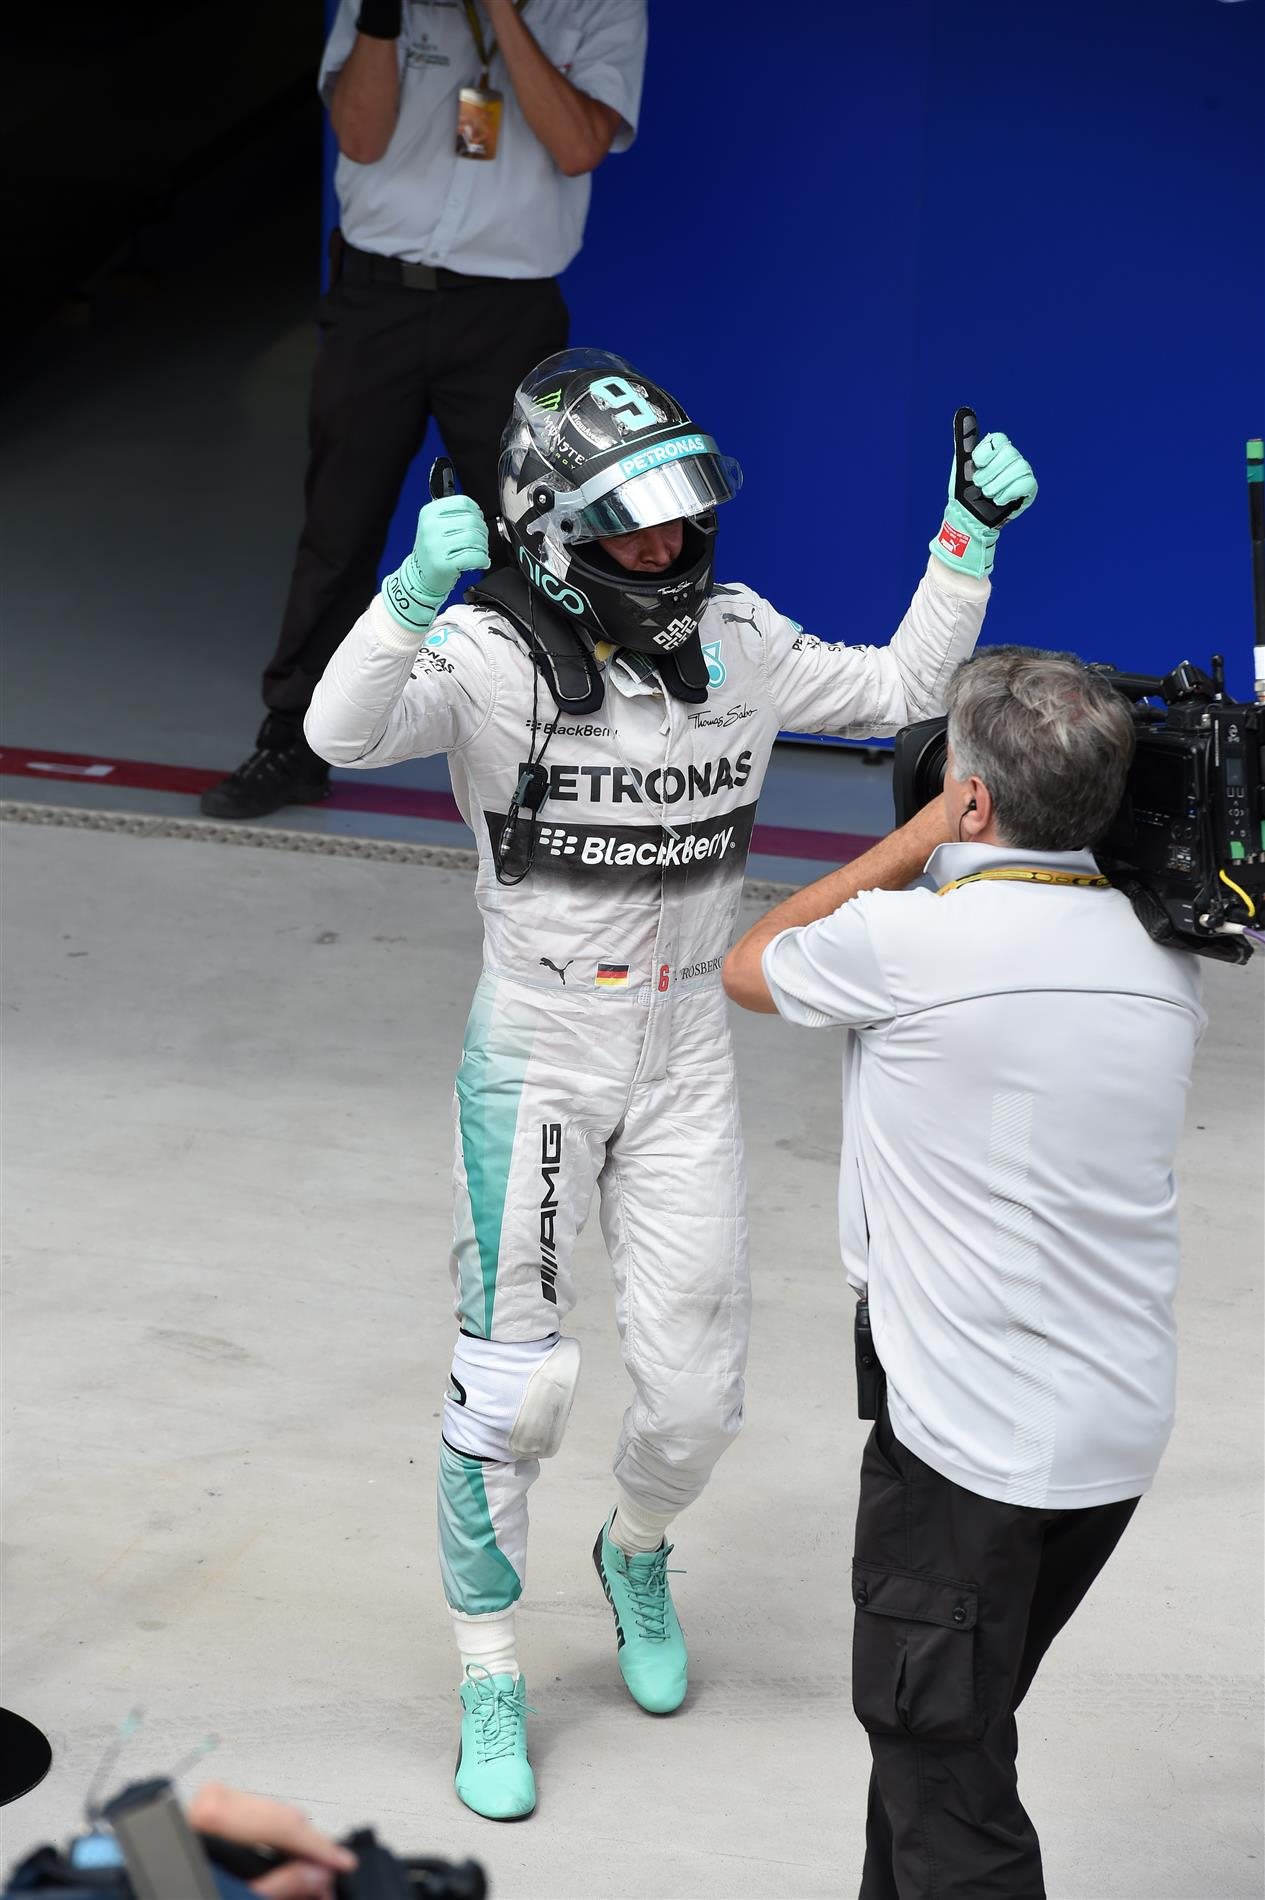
[(913, 1655)]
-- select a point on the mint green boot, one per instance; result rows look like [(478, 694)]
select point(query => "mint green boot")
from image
[(652, 1658), (494, 1776)]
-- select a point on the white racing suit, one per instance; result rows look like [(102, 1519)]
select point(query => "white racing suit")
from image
[(598, 1053)]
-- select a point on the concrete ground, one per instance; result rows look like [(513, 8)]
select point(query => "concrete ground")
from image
[(227, 1157)]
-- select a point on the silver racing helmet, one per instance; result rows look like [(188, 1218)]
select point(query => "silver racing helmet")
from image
[(594, 449)]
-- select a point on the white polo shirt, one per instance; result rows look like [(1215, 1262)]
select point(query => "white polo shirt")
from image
[(512, 216), (1015, 1080)]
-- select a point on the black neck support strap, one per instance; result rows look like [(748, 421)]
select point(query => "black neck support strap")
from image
[(565, 656), (684, 673)]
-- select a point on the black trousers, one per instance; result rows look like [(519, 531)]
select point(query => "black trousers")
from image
[(390, 358), (957, 1599)]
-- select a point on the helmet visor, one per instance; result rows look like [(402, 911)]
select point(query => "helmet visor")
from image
[(645, 489)]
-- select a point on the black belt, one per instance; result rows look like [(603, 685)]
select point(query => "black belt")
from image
[(367, 267)]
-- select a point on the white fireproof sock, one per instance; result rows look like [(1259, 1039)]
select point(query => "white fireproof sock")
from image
[(486, 1640), (636, 1531)]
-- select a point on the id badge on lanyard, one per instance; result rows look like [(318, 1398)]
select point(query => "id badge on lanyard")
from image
[(479, 108)]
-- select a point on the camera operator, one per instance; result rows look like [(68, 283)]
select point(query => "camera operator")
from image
[(1015, 1079)]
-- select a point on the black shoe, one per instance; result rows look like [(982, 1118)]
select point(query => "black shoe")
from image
[(272, 777)]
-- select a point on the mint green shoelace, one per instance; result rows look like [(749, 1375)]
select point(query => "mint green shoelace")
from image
[(501, 1718), (650, 1593)]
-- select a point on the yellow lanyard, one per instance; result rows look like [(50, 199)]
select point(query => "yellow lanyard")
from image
[(486, 50), (1028, 874)]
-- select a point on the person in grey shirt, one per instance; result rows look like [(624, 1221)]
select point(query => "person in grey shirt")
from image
[(467, 135), (1016, 1066)]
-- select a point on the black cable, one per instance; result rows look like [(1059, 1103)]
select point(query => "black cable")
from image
[(533, 780)]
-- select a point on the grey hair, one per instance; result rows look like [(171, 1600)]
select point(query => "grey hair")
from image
[(1050, 738)]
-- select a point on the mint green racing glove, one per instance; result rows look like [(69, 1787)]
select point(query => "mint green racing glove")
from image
[(452, 538), (989, 483)]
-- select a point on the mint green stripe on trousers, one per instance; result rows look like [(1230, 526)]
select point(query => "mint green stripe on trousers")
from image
[(490, 1084), (482, 1531)]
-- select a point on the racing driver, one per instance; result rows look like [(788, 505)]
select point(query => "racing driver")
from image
[(608, 711)]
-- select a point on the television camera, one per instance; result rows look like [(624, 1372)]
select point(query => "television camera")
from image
[(139, 1846), (1187, 844)]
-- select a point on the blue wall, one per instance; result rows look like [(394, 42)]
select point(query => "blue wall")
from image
[(838, 224)]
